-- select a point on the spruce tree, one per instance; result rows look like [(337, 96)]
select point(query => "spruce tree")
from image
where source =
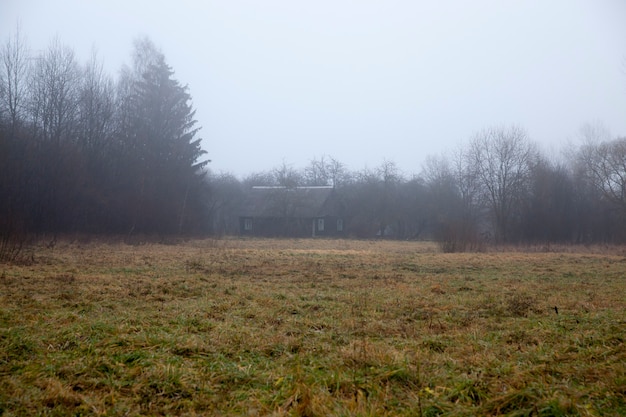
[(159, 141)]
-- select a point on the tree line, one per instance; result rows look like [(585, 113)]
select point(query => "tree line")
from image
[(80, 152), (83, 152), (497, 189)]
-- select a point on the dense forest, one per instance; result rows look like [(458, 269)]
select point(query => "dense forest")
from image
[(83, 152)]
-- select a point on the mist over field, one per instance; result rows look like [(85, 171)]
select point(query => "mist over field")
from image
[(470, 125)]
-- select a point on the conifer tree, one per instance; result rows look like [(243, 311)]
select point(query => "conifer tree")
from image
[(160, 144)]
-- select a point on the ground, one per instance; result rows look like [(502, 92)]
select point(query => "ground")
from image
[(312, 327)]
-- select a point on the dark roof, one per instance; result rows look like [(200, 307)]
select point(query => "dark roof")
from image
[(300, 202)]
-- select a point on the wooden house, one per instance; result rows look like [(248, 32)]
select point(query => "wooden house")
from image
[(291, 212)]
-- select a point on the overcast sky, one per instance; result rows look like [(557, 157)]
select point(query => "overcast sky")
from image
[(361, 81)]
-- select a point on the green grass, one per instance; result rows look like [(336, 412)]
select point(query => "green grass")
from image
[(303, 328)]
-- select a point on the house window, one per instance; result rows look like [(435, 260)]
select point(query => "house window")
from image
[(340, 225), (320, 225), (247, 224)]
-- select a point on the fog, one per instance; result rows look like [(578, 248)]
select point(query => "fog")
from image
[(363, 82)]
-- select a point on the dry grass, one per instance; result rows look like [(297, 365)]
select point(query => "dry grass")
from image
[(311, 327)]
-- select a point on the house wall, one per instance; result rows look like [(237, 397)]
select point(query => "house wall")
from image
[(330, 226), (276, 227), (289, 227)]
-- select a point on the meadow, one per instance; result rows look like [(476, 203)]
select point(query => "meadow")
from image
[(312, 328)]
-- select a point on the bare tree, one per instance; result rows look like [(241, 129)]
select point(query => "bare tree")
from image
[(605, 165), (452, 201), (264, 178), (225, 199), (468, 182), (593, 133), (54, 93), (286, 176), (95, 107), (372, 200), (550, 212), (52, 109), (13, 160), (316, 173), (502, 159), (412, 207), (391, 178), (14, 58), (326, 171), (339, 174)]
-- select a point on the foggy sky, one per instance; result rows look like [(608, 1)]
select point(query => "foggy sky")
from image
[(362, 81)]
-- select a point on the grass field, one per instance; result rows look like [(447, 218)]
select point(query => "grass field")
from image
[(312, 327)]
